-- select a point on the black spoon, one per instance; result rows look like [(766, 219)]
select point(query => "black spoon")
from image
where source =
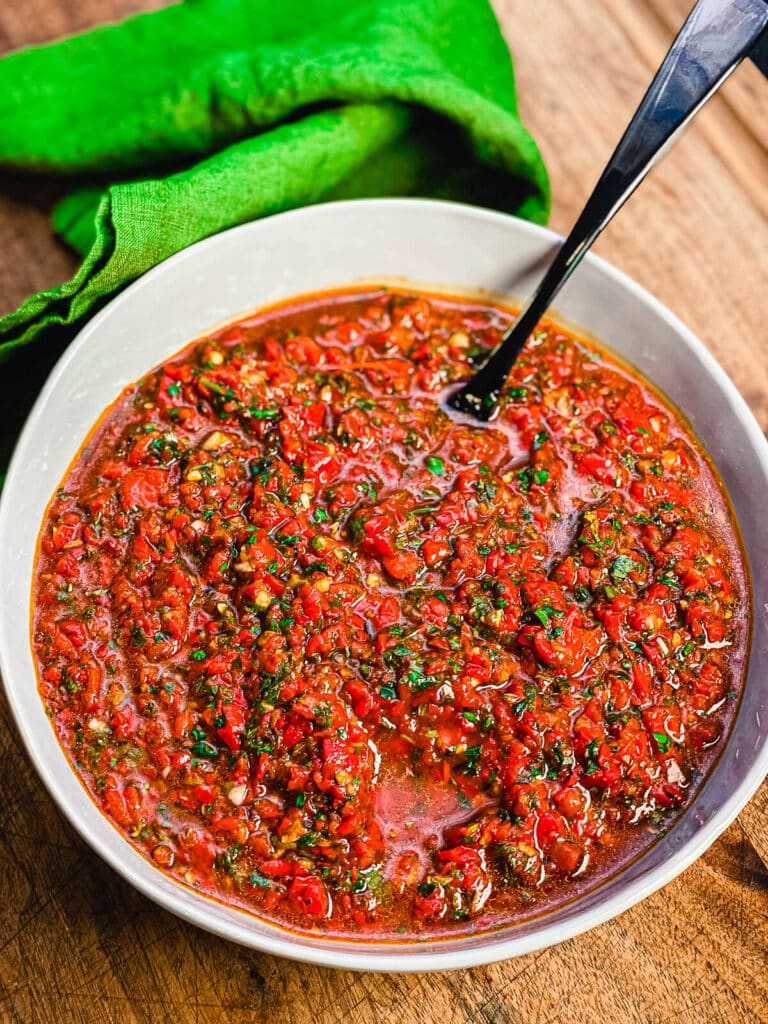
[(715, 38)]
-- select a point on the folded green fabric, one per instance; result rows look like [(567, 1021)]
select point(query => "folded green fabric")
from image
[(289, 104)]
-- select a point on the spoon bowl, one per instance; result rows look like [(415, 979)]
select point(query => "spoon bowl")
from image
[(716, 37)]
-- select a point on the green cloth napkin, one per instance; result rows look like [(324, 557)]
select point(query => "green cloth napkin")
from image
[(296, 101), (210, 113)]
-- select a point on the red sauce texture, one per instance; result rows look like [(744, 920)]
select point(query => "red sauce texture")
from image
[(322, 651)]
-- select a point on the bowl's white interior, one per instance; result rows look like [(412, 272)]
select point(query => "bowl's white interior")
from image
[(330, 246)]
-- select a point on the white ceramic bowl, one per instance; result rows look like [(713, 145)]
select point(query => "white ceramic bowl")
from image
[(335, 245)]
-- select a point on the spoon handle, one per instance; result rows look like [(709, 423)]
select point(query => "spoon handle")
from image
[(715, 38)]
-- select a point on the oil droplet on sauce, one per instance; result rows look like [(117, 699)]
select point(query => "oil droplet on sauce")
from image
[(413, 811)]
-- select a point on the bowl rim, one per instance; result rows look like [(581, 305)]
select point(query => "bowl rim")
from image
[(190, 904)]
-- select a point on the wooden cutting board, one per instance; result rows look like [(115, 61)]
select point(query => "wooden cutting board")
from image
[(78, 945)]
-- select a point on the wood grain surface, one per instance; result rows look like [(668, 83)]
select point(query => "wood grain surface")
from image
[(78, 945)]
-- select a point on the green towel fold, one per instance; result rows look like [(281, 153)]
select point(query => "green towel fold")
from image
[(297, 101), (210, 113)]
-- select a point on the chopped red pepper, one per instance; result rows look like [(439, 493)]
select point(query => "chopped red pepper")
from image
[(333, 656)]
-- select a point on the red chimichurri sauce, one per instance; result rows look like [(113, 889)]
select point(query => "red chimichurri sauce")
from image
[(319, 650)]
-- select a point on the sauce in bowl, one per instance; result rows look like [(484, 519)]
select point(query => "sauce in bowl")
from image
[(325, 652)]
